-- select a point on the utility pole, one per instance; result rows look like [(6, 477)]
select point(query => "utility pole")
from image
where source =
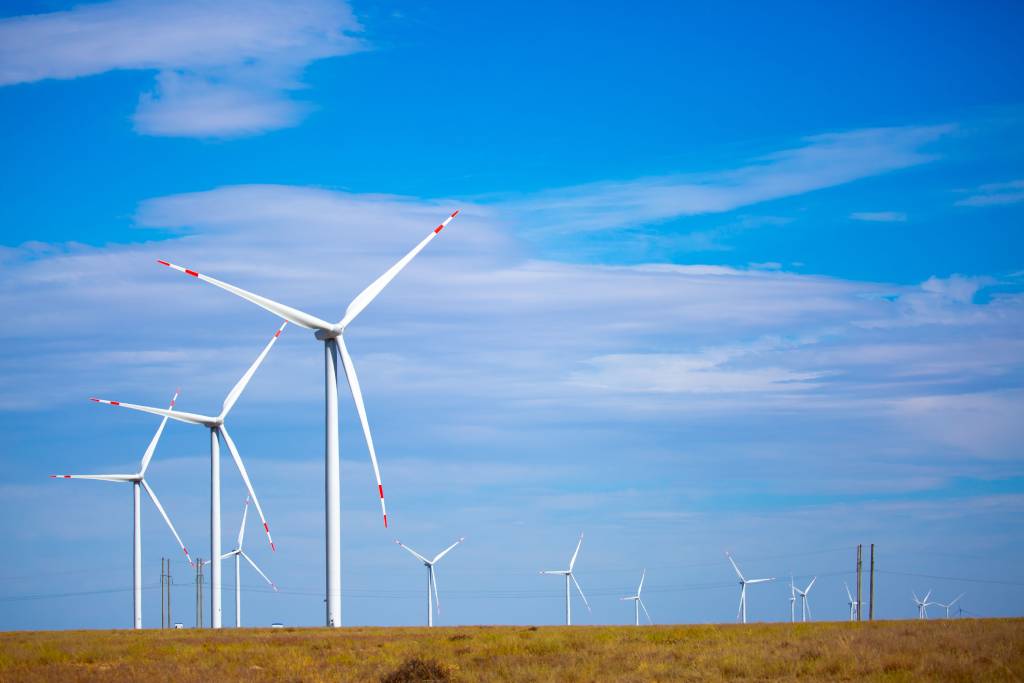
[(860, 548), (170, 623), (871, 586), (163, 587)]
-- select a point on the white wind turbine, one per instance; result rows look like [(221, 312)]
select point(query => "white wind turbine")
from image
[(637, 602), (852, 603), (805, 607), (922, 605), (741, 614), (569, 575), (138, 480), (431, 576), (238, 554), (332, 335), (217, 430), (949, 604)]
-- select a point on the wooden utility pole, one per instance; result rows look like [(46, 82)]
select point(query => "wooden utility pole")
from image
[(871, 586), (860, 548)]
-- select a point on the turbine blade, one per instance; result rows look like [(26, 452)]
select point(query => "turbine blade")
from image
[(446, 550), (956, 599), (239, 387), (364, 297), (148, 455), (260, 571), (577, 583), (241, 528), (808, 589), (248, 484), (191, 418), (848, 593), (738, 572), (122, 478), (642, 576), (413, 552), (644, 607), (292, 315), (163, 513), (573, 560), (433, 582), (927, 595), (357, 397)]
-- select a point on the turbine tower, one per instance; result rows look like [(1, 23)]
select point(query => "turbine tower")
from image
[(741, 614), (238, 554), (138, 481), (852, 603), (569, 576), (637, 602), (922, 605), (217, 430), (792, 600), (431, 577), (332, 336), (805, 607)]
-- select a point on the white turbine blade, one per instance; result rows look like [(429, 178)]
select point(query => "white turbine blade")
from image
[(641, 587), (292, 315), (577, 583), (848, 593), (955, 600), (446, 551), (98, 477), (927, 595), (163, 513), (228, 555), (433, 582), (762, 581), (357, 397), (573, 560), (241, 528), (738, 572), (916, 599), (248, 484), (364, 297), (642, 605), (239, 387), (260, 571), (148, 455), (559, 572), (413, 552), (808, 589), (191, 418)]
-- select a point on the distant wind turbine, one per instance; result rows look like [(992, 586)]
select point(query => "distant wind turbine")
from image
[(431, 576), (138, 480), (950, 604), (741, 614), (852, 603), (569, 576), (792, 600), (238, 554), (922, 605), (805, 607), (637, 602)]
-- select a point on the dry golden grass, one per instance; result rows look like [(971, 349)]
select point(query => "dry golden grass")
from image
[(941, 650)]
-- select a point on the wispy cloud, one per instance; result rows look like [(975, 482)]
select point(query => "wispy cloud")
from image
[(821, 161), (994, 194), (224, 68), (879, 216)]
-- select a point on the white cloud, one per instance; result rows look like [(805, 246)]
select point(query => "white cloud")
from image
[(994, 194), (224, 68), (879, 216)]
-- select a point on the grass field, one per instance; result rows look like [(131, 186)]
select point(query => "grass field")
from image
[(953, 650)]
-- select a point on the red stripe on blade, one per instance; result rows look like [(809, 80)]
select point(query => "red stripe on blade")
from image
[(385, 521), (191, 272), (267, 528), (456, 213), (438, 229), (380, 488), (163, 263), (115, 403)]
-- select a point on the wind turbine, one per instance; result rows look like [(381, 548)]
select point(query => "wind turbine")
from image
[(805, 607), (238, 554), (792, 600), (922, 605), (569, 575), (852, 603), (217, 430), (637, 602), (138, 480), (950, 604), (332, 335), (431, 576), (741, 614)]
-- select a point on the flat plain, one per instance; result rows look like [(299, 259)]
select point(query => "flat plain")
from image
[(938, 650)]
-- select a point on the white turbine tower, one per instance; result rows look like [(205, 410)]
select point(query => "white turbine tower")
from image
[(792, 600), (431, 576), (949, 604), (138, 480), (852, 603), (569, 576), (332, 335), (805, 607), (637, 602), (217, 430), (922, 605), (741, 614), (238, 554)]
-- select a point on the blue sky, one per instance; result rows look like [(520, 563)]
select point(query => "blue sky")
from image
[(726, 278)]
